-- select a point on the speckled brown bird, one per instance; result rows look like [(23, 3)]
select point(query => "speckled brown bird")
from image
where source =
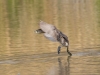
[(53, 34)]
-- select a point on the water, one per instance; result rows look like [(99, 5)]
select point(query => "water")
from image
[(22, 52)]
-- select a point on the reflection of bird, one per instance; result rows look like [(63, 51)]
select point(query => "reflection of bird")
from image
[(53, 34), (64, 67)]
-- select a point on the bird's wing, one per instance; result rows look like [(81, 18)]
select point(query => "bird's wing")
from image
[(49, 31), (61, 36), (46, 27), (64, 36)]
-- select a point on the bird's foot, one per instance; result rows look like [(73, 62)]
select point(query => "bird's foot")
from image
[(69, 53)]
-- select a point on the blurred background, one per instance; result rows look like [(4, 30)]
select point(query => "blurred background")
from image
[(78, 19)]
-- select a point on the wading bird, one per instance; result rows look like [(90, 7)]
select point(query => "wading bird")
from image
[(53, 34)]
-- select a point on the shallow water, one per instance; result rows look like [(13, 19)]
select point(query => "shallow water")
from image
[(22, 52)]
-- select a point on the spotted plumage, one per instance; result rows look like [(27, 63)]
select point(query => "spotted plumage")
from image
[(53, 34)]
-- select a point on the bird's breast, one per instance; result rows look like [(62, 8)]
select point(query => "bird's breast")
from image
[(50, 37)]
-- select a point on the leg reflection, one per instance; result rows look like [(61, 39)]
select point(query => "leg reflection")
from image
[(64, 67), (60, 67)]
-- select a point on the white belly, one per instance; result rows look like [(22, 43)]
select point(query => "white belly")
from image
[(66, 44), (50, 37)]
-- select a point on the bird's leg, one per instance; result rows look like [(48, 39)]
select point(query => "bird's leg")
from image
[(59, 47), (68, 51)]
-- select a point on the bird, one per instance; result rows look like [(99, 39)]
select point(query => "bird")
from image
[(53, 34)]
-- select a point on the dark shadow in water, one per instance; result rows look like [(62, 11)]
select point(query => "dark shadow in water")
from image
[(64, 70)]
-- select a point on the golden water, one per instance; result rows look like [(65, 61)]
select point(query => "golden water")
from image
[(22, 52)]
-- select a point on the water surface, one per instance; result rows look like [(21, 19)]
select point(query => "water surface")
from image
[(22, 52)]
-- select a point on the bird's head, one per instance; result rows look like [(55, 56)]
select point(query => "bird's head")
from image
[(39, 31)]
